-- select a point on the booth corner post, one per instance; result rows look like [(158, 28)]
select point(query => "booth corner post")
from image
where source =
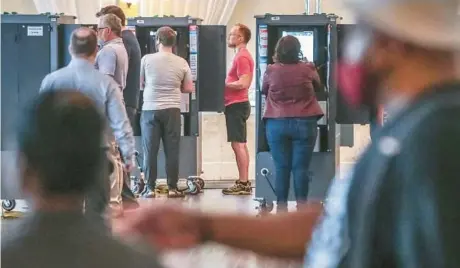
[(320, 39), (204, 48), (32, 47)]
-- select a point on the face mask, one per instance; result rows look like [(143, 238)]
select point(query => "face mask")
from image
[(358, 83), (100, 42)]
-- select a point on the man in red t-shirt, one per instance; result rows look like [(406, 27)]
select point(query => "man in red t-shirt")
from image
[(237, 107)]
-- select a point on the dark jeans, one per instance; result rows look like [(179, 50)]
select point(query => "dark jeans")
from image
[(161, 125), (291, 142)]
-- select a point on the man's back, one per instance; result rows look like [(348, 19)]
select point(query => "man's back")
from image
[(68, 239), (82, 76), (164, 74)]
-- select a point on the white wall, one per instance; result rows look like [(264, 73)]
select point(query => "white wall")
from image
[(19, 6)]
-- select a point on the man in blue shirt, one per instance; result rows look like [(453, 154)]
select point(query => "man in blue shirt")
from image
[(80, 74)]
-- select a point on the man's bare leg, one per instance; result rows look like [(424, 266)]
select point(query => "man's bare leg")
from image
[(242, 186), (242, 160)]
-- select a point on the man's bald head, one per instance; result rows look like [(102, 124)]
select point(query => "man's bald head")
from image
[(83, 42)]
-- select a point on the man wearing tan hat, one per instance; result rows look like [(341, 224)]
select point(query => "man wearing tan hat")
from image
[(398, 207)]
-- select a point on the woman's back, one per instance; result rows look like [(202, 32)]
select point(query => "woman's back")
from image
[(164, 74), (290, 91)]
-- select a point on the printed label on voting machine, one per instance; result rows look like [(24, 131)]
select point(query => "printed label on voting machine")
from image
[(34, 30)]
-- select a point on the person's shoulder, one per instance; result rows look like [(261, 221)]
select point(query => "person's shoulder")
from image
[(244, 54), (107, 49), (438, 129)]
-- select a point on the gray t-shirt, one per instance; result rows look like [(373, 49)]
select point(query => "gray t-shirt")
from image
[(113, 60), (164, 74)]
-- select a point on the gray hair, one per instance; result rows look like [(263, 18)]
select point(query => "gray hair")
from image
[(112, 22)]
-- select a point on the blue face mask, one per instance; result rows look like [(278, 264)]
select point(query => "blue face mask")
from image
[(100, 43)]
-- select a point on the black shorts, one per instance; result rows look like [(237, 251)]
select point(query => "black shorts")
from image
[(236, 116)]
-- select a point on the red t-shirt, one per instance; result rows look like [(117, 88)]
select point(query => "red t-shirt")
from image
[(242, 64)]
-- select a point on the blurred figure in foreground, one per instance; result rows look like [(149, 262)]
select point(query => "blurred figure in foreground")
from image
[(398, 207), (61, 158), (291, 116)]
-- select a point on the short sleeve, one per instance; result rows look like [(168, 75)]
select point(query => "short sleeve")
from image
[(188, 77), (106, 61), (243, 66)]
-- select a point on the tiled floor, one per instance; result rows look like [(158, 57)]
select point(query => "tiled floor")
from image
[(212, 256)]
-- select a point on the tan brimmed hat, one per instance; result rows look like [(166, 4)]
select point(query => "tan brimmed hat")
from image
[(427, 23)]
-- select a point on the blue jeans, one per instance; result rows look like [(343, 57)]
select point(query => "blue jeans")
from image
[(291, 142)]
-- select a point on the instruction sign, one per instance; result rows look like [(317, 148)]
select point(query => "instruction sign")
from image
[(34, 30)]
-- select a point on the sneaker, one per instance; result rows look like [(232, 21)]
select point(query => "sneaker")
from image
[(139, 188), (174, 193), (162, 189), (149, 193), (238, 189)]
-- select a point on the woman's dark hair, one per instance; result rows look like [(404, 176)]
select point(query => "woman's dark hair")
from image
[(287, 50)]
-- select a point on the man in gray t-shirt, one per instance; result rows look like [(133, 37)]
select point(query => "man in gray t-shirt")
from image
[(112, 59), (164, 77)]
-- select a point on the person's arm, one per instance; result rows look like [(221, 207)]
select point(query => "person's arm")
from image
[(266, 83), (142, 75), (106, 61), (283, 236), (119, 122), (244, 73), (429, 211), (315, 79), (187, 83)]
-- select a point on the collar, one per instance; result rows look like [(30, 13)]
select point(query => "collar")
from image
[(117, 40), (79, 62)]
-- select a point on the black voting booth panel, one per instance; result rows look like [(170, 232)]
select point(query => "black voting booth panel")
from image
[(31, 49), (319, 37), (204, 48)]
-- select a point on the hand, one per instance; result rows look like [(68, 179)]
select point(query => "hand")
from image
[(164, 226), (129, 165)]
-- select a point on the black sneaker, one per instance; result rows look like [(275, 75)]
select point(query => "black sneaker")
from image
[(239, 189)]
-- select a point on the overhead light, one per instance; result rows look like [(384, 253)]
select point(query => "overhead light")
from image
[(130, 2)]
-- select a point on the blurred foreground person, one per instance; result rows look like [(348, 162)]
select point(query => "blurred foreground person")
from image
[(398, 207), (60, 159), (102, 89)]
